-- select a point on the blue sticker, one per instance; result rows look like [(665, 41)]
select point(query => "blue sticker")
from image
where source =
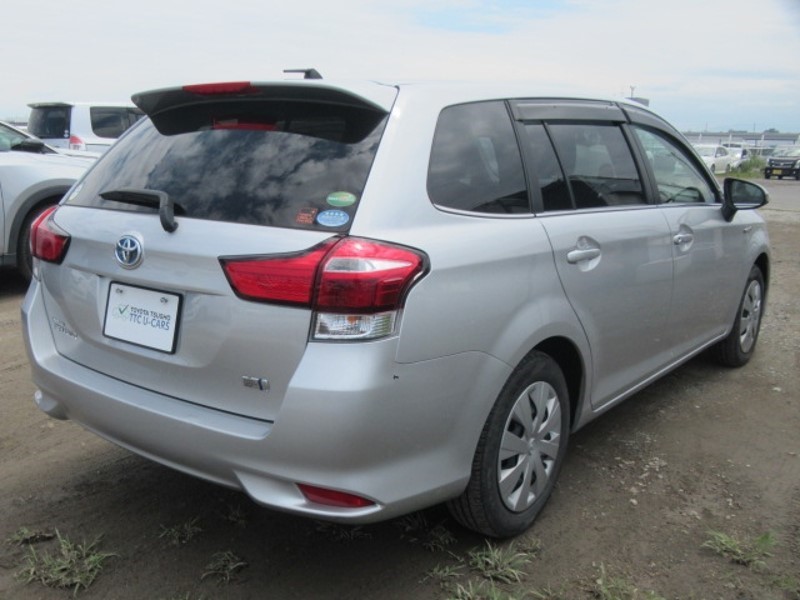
[(333, 218)]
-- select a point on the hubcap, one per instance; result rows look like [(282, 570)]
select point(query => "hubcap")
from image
[(529, 448), (750, 316)]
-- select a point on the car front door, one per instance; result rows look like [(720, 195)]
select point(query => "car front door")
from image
[(707, 249)]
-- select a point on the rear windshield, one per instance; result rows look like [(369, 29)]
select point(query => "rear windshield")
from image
[(50, 121), (113, 121), (283, 164)]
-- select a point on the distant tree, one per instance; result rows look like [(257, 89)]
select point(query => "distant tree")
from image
[(771, 130)]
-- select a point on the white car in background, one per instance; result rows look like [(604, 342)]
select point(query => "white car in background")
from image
[(89, 126), (33, 177), (716, 157)]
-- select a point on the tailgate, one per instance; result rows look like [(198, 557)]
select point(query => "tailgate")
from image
[(173, 325)]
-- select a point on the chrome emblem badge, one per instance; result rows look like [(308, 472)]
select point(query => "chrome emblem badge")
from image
[(128, 252)]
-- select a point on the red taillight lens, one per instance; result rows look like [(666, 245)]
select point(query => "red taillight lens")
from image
[(348, 275), (333, 497), (48, 241), (76, 143), (286, 279), (216, 89), (357, 287), (365, 276)]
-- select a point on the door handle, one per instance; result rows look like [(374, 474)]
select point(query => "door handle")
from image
[(682, 238), (575, 256)]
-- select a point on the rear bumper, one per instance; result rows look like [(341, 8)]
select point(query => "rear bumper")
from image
[(353, 419)]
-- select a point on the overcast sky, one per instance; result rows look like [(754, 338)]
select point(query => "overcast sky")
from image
[(704, 64)]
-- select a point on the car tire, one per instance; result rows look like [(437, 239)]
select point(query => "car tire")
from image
[(713, 168), (737, 349), (766, 176), (520, 451), (24, 258)]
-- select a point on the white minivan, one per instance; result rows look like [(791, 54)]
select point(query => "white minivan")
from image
[(90, 126)]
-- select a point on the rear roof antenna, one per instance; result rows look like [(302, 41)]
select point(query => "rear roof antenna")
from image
[(307, 73)]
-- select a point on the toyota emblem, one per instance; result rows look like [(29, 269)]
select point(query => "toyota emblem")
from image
[(128, 252)]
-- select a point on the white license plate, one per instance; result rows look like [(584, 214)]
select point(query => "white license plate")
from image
[(143, 317)]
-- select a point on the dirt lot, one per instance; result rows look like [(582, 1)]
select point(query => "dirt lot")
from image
[(705, 449)]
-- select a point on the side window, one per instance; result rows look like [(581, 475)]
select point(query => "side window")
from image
[(546, 170), (676, 177), (598, 164), (475, 162)]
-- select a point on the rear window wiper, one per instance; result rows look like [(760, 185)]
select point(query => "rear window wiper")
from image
[(151, 198)]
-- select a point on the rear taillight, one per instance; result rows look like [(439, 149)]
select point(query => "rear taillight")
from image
[(355, 286), (48, 241), (76, 143)]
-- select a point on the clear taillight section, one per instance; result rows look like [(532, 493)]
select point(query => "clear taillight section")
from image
[(48, 241), (355, 286)]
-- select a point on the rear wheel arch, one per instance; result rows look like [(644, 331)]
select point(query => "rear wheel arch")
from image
[(762, 262), (571, 363)]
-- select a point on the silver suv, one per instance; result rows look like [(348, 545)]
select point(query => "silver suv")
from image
[(355, 301)]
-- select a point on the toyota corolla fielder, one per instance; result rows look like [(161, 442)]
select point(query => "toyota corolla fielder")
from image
[(355, 301)]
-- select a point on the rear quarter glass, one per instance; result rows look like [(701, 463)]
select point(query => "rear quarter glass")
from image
[(300, 165)]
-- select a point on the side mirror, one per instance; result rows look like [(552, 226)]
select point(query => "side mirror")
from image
[(738, 194)]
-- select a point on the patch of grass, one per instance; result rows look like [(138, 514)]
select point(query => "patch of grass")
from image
[(747, 553), (342, 533), (549, 593), (23, 535), (223, 567), (789, 585), (751, 168), (499, 563), (607, 587), (73, 566), (415, 529), (483, 590), (180, 534), (235, 514), (445, 574)]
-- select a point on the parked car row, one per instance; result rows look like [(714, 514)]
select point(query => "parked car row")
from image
[(353, 301)]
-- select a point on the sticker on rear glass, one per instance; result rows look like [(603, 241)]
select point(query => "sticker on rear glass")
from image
[(333, 218), (305, 216), (341, 199)]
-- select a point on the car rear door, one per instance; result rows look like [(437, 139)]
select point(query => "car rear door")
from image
[(611, 248)]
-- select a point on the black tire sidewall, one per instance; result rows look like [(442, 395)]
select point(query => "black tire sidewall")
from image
[(731, 350), (537, 367)]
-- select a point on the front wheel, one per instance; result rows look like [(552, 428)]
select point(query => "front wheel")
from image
[(520, 451), (736, 349)]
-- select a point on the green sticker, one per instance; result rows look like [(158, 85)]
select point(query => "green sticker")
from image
[(341, 199)]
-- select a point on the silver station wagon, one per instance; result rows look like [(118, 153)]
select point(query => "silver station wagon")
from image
[(353, 301)]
